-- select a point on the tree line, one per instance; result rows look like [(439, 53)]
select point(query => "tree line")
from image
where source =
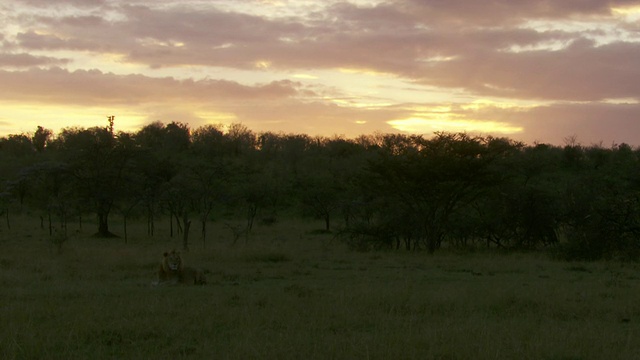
[(380, 191)]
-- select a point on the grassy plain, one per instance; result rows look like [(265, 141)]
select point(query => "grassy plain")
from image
[(290, 293)]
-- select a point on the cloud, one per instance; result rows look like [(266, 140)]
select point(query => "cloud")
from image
[(286, 106), (405, 38), (164, 37), (568, 56), (93, 87), (591, 123), (270, 106), (506, 12), (55, 3), (28, 60), (581, 71)]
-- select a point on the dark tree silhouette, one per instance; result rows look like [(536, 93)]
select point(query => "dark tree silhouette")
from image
[(41, 138), (97, 162), (375, 191)]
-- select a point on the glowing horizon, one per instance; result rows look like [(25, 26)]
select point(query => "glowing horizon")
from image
[(333, 68)]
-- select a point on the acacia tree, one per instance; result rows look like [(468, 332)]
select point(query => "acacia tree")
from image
[(52, 192), (602, 205), (429, 180), (161, 151), (522, 208), (155, 168), (205, 182), (132, 194), (240, 140), (179, 196), (97, 162), (320, 195), (320, 182), (208, 170)]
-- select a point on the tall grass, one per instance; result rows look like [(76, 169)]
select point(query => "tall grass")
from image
[(289, 293)]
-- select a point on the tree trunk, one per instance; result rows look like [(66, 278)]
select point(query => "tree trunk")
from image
[(171, 225), (63, 221), (50, 225), (103, 225), (179, 228), (125, 229), (434, 241), (204, 232), (185, 234), (150, 223), (252, 211)]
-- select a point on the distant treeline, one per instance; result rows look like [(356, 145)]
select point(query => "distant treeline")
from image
[(378, 191)]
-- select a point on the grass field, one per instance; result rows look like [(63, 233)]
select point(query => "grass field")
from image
[(289, 293)]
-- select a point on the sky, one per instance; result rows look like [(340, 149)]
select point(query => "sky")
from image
[(531, 70)]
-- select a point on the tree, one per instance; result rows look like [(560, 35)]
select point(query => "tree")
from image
[(602, 206), (5, 200), (323, 177), (52, 192), (240, 140), (41, 138), (133, 193), (17, 145), (206, 186), (179, 198), (162, 153), (427, 181), (523, 207), (208, 141), (97, 162)]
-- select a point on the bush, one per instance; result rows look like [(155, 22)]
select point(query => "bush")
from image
[(602, 237)]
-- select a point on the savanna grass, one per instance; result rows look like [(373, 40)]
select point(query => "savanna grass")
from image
[(290, 293)]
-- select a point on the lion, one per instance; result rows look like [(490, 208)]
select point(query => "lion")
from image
[(173, 271)]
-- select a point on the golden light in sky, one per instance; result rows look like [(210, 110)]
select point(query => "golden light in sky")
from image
[(430, 125), (515, 69)]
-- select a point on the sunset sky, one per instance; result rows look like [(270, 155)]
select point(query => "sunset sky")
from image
[(531, 70)]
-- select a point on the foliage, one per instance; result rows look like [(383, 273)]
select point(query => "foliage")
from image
[(379, 191)]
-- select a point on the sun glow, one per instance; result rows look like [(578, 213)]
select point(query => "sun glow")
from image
[(262, 64), (480, 104), (364, 71), (358, 103), (56, 117), (445, 123), (386, 66), (216, 117), (625, 101), (629, 11), (305, 76)]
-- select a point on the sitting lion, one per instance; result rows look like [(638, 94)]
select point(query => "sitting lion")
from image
[(173, 271)]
